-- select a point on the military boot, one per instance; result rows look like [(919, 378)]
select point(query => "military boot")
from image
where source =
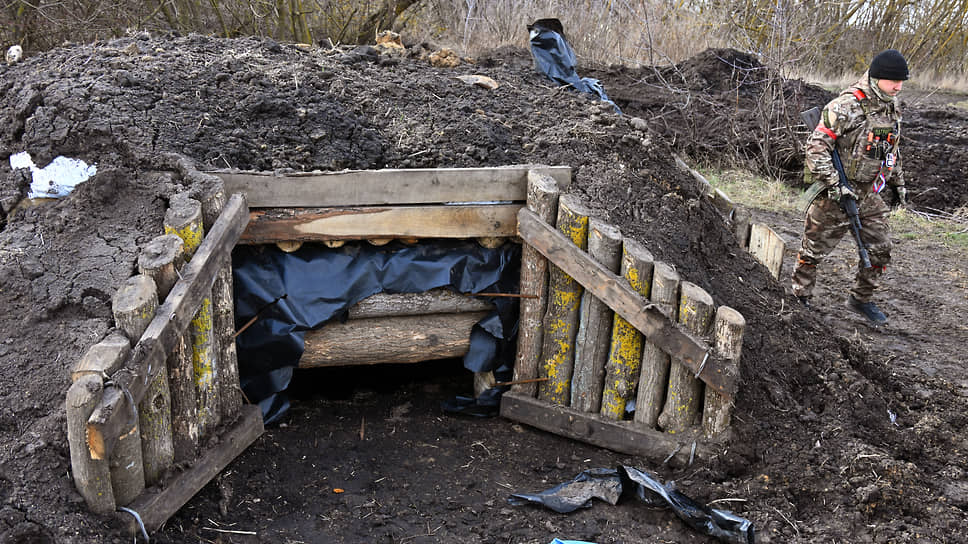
[(868, 310)]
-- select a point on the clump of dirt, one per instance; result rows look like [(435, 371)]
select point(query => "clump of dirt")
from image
[(813, 455)]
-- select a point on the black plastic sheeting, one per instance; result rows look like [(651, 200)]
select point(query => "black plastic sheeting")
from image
[(610, 485), (292, 293), (554, 57)]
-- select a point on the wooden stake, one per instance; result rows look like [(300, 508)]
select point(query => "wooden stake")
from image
[(92, 477), (228, 389), (103, 358), (561, 318), (542, 196), (684, 396), (160, 260), (132, 313), (625, 357), (595, 323), (717, 409), (184, 218), (654, 376)]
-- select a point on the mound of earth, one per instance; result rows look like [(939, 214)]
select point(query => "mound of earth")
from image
[(841, 434)]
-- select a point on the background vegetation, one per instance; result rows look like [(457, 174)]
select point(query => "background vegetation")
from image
[(823, 38)]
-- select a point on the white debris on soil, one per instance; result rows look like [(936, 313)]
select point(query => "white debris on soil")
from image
[(55, 180)]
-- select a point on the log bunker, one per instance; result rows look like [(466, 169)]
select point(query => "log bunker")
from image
[(613, 348)]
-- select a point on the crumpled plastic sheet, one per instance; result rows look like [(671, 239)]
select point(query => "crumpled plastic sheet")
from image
[(610, 485), (554, 57), (322, 284)]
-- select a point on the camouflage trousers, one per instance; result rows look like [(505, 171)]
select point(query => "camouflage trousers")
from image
[(825, 225)]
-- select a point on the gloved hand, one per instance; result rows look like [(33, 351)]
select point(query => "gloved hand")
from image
[(900, 196), (836, 192)]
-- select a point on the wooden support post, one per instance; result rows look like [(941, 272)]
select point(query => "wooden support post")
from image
[(729, 327), (595, 323), (134, 306), (741, 226), (654, 376), (625, 357), (104, 358), (184, 218), (181, 369), (543, 201), (561, 318), (684, 396), (161, 259), (229, 390), (92, 477)]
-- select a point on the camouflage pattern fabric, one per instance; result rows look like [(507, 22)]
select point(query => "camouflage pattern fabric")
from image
[(866, 133), (825, 225)]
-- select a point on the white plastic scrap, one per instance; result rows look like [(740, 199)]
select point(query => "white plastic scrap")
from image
[(55, 180), (14, 54)]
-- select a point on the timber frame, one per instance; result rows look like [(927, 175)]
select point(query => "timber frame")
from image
[(147, 400)]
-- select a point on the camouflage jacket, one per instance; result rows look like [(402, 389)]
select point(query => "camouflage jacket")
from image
[(866, 131)]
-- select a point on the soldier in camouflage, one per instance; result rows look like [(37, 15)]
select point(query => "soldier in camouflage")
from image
[(863, 122)]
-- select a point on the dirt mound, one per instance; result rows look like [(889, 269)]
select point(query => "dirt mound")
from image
[(257, 104)]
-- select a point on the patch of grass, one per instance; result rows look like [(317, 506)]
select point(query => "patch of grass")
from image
[(951, 232), (753, 191)]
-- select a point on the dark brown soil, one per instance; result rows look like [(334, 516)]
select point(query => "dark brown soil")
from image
[(842, 433)]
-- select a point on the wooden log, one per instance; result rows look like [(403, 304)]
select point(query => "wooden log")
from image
[(104, 358), (108, 421), (404, 339), (157, 505), (161, 259), (92, 477), (543, 201), (289, 225), (561, 317), (654, 376), (595, 322), (494, 242), (625, 355), (729, 327), (672, 338), (621, 436), (767, 246), (227, 388), (434, 301), (134, 307), (334, 244), (684, 395), (289, 246), (379, 241), (388, 187), (741, 226), (184, 218)]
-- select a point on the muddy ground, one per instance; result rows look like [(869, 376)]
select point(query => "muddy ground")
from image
[(842, 433)]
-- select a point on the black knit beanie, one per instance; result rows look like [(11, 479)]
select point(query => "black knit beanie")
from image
[(889, 64)]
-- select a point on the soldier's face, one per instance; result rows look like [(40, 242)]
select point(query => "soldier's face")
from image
[(890, 87)]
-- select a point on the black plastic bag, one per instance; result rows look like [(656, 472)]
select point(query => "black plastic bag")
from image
[(610, 485), (554, 57)]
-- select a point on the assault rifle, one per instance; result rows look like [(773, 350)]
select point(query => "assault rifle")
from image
[(811, 118)]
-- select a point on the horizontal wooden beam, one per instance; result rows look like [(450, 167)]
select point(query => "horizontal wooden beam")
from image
[(404, 339), (383, 187), (623, 300), (622, 436), (155, 506), (434, 301), (317, 224), (115, 415)]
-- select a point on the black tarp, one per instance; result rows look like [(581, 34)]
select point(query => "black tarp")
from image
[(554, 57), (319, 284)]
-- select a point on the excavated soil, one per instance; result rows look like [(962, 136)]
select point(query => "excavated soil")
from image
[(842, 433)]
